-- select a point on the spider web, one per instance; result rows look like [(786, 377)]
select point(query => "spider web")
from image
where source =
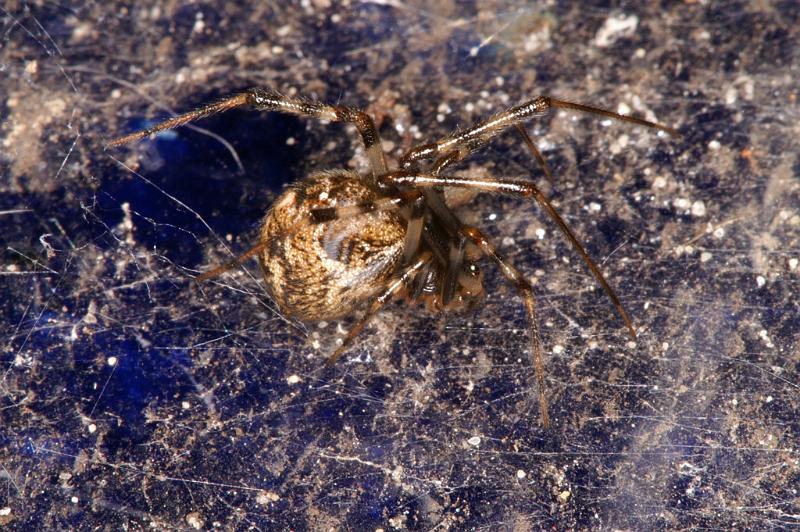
[(132, 396)]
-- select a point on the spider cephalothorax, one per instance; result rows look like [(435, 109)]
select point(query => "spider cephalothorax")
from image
[(336, 240)]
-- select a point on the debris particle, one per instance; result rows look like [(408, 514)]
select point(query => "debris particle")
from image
[(698, 208), (615, 28)]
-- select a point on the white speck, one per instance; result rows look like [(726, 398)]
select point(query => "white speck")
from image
[(507, 241), (474, 441), (469, 107), (631, 344), (761, 281), (277, 50), (792, 264), (595, 207), (719, 232), (698, 208), (620, 144), (521, 474), (659, 182), (6, 510), (293, 379), (646, 305), (474, 51), (92, 428), (111, 361), (639, 53), (186, 405), (440, 117), (558, 349), (664, 346), (714, 145), (614, 28), (336, 18), (323, 196), (705, 256), (681, 203), (74, 499), (731, 96), (492, 217), (765, 338), (194, 521), (623, 109), (499, 81), (199, 25), (290, 141), (267, 497), (770, 399), (540, 234)]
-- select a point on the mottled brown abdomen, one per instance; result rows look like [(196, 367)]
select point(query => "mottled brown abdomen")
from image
[(324, 271)]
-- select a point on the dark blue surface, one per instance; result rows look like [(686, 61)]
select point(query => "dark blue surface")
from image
[(216, 410)]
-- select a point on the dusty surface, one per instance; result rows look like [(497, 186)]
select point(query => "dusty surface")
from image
[(133, 397)]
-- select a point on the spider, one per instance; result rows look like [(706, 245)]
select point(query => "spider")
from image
[(337, 240)]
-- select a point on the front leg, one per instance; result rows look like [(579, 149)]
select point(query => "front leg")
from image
[(269, 100), (457, 146)]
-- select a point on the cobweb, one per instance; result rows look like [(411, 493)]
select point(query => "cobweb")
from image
[(134, 397)]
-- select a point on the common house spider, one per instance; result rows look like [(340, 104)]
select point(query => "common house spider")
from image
[(336, 239)]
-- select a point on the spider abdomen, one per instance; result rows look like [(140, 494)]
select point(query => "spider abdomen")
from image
[(324, 271)]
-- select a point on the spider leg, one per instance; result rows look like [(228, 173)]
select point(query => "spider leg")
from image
[(526, 291), (269, 100), (536, 153), (414, 229), (464, 141), (519, 188), (393, 288), (238, 261)]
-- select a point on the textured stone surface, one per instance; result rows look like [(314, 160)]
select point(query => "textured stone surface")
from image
[(131, 396)]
